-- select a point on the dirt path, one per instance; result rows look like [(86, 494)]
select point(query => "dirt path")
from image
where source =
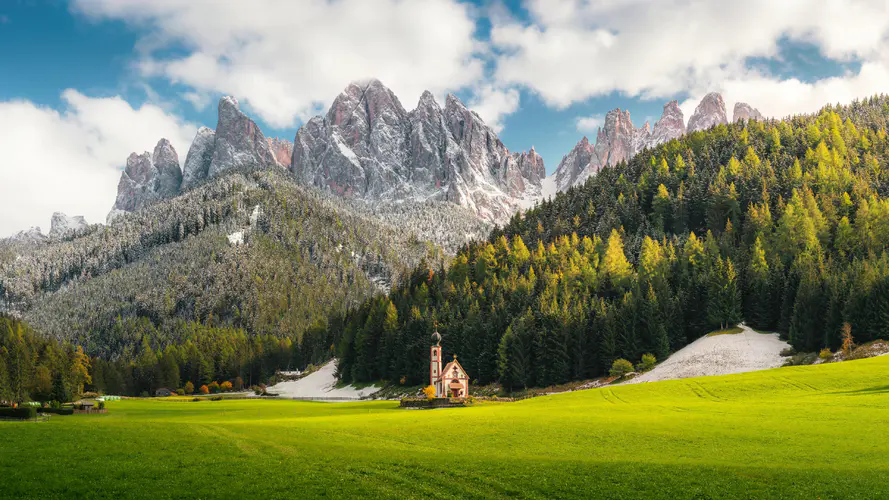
[(720, 355)]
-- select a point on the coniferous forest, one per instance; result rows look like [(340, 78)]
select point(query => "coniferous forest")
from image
[(781, 224)]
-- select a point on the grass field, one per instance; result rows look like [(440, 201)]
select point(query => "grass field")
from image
[(728, 331), (799, 432)]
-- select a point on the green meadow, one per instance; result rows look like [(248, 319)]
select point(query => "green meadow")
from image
[(800, 432)]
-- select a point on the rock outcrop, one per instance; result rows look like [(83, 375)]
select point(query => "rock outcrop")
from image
[(368, 146), (709, 113), (28, 236), (574, 164), (744, 111), (670, 126), (197, 161), (149, 178), (239, 144), (63, 225), (618, 140)]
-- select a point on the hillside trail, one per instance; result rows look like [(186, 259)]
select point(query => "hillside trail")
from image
[(746, 351)]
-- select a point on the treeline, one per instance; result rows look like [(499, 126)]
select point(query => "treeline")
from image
[(35, 368), (783, 224)]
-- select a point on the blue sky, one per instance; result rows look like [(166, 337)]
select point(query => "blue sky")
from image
[(96, 79)]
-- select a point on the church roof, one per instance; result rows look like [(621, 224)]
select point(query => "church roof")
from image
[(449, 368)]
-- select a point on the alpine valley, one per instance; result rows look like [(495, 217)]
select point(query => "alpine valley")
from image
[(271, 236)]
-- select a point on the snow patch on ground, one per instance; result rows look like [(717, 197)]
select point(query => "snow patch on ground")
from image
[(320, 385), (720, 355), (236, 238), (548, 187)]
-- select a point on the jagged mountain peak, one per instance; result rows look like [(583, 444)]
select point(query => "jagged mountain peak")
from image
[(427, 99), (709, 113), (368, 146), (743, 111)]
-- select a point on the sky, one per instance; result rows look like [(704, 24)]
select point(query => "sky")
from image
[(83, 83)]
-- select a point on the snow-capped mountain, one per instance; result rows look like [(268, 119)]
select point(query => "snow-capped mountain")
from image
[(368, 146), (62, 225), (237, 144)]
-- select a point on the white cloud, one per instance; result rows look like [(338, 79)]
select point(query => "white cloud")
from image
[(493, 104), (288, 59), (70, 161), (589, 123), (573, 50)]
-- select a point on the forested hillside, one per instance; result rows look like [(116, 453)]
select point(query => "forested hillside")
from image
[(783, 224), (253, 251)]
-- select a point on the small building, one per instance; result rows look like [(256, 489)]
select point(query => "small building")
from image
[(452, 380), (163, 392)]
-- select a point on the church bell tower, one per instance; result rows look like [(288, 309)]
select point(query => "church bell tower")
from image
[(435, 364)]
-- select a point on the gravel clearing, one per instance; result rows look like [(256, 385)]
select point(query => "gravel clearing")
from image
[(320, 385), (720, 355)]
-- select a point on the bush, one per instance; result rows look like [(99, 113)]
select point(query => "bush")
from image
[(620, 368), (100, 405), (788, 351), (647, 363), (429, 391), (213, 387), (21, 413), (144, 394), (90, 395), (205, 390), (189, 388), (180, 392), (825, 353), (216, 398), (225, 386), (58, 411)]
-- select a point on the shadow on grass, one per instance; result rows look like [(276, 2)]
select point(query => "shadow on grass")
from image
[(877, 389)]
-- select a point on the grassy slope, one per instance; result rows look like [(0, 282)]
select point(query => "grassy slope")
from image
[(815, 431)]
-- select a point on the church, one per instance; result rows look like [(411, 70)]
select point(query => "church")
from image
[(452, 381)]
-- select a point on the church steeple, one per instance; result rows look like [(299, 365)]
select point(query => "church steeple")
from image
[(435, 364)]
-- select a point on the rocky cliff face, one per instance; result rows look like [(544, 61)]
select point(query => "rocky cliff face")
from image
[(282, 150), (670, 126), (62, 224), (709, 113), (197, 161), (618, 140), (573, 164), (368, 146), (744, 111), (148, 178), (239, 143), (236, 144)]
